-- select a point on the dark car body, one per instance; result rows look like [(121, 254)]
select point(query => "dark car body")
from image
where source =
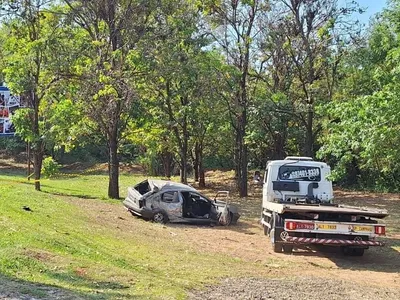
[(167, 201)]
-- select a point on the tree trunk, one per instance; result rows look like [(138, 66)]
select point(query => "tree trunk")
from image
[(184, 160), (309, 147), (202, 178), (183, 172), (196, 164), (241, 122), (242, 156), (185, 142), (37, 164), (167, 162), (38, 144), (113, 167)]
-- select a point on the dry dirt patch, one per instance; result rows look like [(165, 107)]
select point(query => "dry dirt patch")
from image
[(292, 288)]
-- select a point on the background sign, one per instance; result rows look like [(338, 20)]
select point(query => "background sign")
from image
[(8, 105)]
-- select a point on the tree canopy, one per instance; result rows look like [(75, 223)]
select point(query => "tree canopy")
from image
[(182, 86)]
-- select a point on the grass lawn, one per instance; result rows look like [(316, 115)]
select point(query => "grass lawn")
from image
[(61, 245)]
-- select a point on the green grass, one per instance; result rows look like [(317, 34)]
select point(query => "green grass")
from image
[(61, 244)]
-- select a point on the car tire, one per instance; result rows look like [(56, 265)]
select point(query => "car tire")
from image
[(160, 217)]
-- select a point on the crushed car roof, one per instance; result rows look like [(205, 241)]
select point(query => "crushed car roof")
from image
[(165, 185)]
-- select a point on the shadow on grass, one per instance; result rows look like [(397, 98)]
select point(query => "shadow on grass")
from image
[(11, 288), (87, 283), (66, 194)]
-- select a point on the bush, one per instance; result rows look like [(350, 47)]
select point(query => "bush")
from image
[(50, 167), (12, 145)]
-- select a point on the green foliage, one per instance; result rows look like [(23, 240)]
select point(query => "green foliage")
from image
[(50, 167), (147, 78), (362, 131), (12, 145), (22, 120)]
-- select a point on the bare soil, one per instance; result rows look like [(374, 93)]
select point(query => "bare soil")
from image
[(303, 288)]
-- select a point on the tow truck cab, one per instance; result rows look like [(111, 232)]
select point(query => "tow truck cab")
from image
[(297, 180)]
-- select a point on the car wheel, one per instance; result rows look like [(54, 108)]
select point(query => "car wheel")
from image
[(225, 221), (160, 217)]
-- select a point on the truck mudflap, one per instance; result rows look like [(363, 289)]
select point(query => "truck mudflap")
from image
[(337, 242)]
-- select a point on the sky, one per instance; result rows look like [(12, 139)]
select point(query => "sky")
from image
[(371, 6)]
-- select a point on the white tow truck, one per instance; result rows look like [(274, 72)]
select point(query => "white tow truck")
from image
[(298, 210)]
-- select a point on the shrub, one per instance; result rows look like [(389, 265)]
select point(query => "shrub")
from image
[(50, 167)]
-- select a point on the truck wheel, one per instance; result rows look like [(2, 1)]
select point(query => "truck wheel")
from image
[(358, 252), (287, 248), (277, 247), (266, 230), (346, 250), (275, 231)]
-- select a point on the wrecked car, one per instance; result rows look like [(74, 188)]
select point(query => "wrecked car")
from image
[(166, 201)]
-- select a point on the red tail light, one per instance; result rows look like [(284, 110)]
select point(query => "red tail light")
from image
[(291, 225), (380, 230)]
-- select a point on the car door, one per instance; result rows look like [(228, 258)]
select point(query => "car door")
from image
[(171, 202)]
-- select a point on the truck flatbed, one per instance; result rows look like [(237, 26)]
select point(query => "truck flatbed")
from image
[(281, 208)]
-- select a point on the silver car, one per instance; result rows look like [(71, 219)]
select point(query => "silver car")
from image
[(166, 201)]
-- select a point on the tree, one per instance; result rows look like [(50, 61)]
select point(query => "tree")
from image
[(235, 33), (109, 65), (32, 46), (361, 132), (177, 75), (303, 47)]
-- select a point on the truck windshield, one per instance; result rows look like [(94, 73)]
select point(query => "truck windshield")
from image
[(299, 173)]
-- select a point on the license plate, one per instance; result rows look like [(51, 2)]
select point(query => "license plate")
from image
[(309, 226), (327, 226), (363, 228)]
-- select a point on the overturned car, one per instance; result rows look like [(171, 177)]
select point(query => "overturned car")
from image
[(166, 201)]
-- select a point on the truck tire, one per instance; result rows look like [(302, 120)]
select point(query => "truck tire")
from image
[(267, 230), (348, 251), (358, 252), (277, 247), (276, 229), (287, 248)]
